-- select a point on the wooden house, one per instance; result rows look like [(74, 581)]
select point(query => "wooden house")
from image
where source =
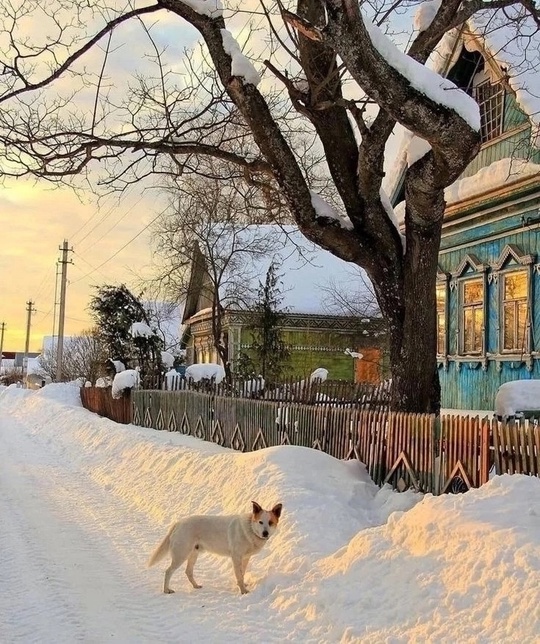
[(488, 289), (315, 335)]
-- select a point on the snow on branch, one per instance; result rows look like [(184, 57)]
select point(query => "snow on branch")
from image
[(210, 8), (240, 65), (140, 330), (387, 205), (427, 82), (425, 14), (325, 211)]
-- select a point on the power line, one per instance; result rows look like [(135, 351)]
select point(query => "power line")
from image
[(119, 250)]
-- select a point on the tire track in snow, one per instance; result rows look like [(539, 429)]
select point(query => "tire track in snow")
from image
[(61, 581), (73, 563)]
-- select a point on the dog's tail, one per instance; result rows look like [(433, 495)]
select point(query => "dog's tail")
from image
[(162, 549)]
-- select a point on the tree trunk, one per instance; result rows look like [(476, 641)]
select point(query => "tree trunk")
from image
[(413, 328)]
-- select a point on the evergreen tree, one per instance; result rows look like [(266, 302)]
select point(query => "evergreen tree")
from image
[(268, 354), (115, 309)]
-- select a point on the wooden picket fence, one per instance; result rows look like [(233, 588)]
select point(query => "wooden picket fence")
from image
[(335, 392), (100, 401), (516, 446), (419, 451)]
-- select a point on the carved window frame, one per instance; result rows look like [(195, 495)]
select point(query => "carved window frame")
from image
[(443, 280), (470, 268), (513, 259)]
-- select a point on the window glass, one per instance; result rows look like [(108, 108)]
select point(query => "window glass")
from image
[(441, 318), (514, 310), (490, 99), (473, 315)]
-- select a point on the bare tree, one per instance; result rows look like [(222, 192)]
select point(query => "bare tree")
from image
[(207, 246), (335, 52), (84, 357), (358, 301)]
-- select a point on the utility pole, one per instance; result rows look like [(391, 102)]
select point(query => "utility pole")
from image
[(62, 313), (2, 329), (29, 310)]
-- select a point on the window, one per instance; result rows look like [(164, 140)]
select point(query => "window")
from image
[(472, 74), (473, 314), (441, 318), (490, 98), (514, 311)]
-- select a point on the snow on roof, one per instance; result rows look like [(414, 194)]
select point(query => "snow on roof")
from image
[(304, 269), (512, 37), (498, 173), (514, 46)]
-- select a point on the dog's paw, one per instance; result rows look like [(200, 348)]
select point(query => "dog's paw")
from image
[(197, 586), (244, 591), (169, 591)]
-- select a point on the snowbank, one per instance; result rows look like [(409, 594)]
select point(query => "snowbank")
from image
[(350, 563)]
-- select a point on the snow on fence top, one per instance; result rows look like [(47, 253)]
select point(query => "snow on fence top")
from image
[(517, 396), (197, 372), (124, 380)]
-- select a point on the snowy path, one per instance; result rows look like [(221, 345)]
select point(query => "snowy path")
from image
[(73, 560), (84, 501)]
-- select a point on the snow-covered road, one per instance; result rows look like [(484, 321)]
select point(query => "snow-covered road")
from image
[(73, 563), (83, 502), (72, 557)]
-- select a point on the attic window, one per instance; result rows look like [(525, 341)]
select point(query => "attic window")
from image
[(490, 98), (469, 74)]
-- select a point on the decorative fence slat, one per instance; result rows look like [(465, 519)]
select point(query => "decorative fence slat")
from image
[(451, 453)]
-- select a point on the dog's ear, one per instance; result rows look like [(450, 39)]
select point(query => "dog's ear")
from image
[(256, 507), (277, 510)]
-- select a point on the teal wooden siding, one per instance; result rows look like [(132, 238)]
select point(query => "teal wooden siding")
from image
[(513, 144), (473, 383)]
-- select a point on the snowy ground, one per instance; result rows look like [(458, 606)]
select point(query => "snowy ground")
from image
[(84, 501)]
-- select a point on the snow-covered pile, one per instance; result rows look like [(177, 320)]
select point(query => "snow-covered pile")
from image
[(350, 563), (124, 380), (198, 372), (517, 396)]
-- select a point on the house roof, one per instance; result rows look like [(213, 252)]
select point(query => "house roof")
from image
[(305, 272), (509, 41)]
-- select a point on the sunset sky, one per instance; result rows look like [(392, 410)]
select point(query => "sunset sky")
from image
[(111, 243), (34, 220)]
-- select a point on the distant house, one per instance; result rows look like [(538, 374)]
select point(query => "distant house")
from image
[(13, 361), (488, 291), (315, 336)]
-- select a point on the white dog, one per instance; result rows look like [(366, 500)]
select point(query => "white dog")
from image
[(238, 536)]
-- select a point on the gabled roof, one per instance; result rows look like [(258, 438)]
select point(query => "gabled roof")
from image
[(304, 270)]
